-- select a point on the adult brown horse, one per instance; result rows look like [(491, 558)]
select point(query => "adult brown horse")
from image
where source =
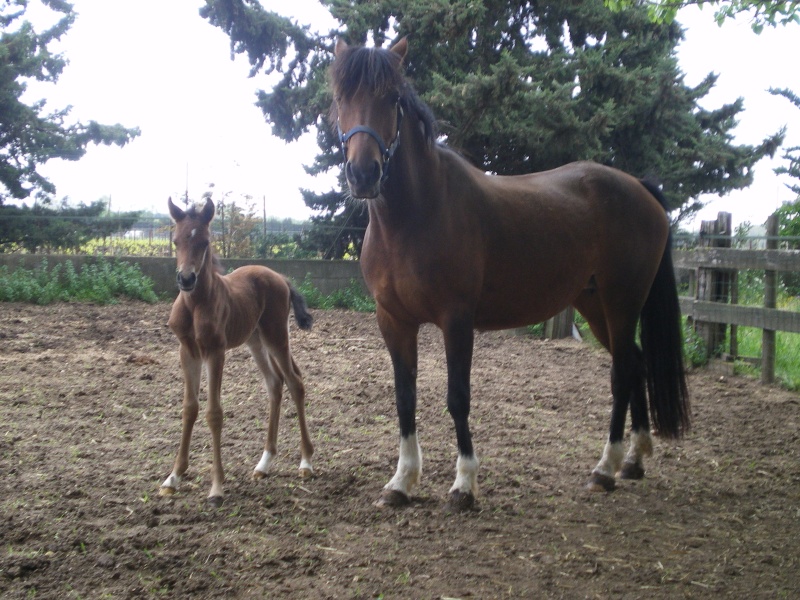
[(214, 312), (451, 245)]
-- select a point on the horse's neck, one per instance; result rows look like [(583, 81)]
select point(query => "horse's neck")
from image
[(412, 189)]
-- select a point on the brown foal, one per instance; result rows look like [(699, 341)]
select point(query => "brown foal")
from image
[(215, 312)]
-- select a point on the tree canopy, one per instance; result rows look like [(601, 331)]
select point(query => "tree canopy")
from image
[(30, 136), (517, 86), (760, 12)]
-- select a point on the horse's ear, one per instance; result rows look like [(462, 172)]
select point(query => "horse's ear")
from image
[(208, 211), (401, 48), (176, 213), (341, 47)]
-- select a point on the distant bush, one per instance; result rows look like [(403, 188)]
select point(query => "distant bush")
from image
[(102, 282), (352, 297)]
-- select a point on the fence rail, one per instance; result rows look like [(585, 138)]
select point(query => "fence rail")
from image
[(713, 284)]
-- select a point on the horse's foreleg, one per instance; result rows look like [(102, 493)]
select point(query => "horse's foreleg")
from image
[(401, 341), (215, 363), (191, 365), (458, 340)]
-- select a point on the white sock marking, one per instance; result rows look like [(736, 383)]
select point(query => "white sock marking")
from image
[(466, 475), (409, 466)]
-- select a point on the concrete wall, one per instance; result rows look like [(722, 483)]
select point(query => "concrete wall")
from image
[(326, 275)]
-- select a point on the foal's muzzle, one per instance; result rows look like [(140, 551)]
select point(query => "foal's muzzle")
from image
[(186, 283)]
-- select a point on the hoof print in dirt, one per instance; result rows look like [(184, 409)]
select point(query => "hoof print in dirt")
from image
[(392, 499)]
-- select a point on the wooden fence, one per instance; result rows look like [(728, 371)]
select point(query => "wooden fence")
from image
[(712, 304)]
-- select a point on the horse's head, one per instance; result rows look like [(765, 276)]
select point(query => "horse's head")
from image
[(192, 239), (367, 87)]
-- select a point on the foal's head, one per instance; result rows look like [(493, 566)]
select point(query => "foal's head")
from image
[(192, 241), (368, 85)]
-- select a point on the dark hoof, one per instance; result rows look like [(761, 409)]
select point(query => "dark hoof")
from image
[(460, 502), (392, 499), (631, 470), (215, 501), (600, 483)]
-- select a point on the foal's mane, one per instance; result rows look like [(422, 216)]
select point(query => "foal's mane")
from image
[(380, 72)]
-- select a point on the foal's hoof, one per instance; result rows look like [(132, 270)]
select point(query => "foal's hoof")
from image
[(306, 472), (600, 483), (215, 501), (257, 475), (631, 470), (460, 502), (392, 499), (166, 492)]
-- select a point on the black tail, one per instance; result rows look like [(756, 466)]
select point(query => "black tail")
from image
[(662, 345), (301, 314)]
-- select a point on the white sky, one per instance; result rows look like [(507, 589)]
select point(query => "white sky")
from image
[(157, 65)]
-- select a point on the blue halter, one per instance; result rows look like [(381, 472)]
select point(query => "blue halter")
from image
[(386, 152)]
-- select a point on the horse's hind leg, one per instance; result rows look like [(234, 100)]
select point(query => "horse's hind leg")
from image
[(274, 384), (641, 443), (282, 361), (191, 365)]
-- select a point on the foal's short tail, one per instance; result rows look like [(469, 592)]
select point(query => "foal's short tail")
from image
[(662, 345), (301, 314)]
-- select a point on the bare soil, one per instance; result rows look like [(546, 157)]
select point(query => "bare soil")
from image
[(89, 424)]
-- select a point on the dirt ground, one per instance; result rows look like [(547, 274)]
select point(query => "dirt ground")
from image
[(89, 424)]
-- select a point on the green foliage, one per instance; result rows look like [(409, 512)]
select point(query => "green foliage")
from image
[(695, 352), (759, 12), (28, 135), (102, 282), (352, 297)]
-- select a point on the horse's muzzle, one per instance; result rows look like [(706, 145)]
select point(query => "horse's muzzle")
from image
[(364, 182), (186, 283)]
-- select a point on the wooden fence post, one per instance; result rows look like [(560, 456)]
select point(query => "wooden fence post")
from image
[(770, 298), (713, 285), (560, 326)]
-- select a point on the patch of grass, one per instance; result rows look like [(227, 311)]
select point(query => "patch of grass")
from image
[(103, 282), (353, 297)]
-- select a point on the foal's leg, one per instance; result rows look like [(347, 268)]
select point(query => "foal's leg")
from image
[(215, 363), (192, 366), (274, 384), (458, 341), (281, 359), (401, 341)]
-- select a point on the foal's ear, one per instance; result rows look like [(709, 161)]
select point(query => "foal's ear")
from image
[(401, 48), (341, 46), (176, 213), (208, 211)]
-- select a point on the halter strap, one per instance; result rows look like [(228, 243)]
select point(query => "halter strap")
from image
[(386, 153)]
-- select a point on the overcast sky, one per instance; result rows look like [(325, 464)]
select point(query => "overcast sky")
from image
[(158, 66)]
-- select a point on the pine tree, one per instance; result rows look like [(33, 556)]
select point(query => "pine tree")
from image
[(517, 86)]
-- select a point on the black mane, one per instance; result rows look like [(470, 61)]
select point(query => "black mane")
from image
[(380, 72)]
